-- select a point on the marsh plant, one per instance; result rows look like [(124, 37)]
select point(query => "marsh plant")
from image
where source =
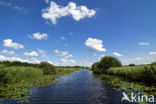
[(16, 77)]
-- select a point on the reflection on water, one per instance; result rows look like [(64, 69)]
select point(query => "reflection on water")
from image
[(80, 87)]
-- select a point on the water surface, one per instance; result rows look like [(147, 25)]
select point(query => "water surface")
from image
[(80, 87)]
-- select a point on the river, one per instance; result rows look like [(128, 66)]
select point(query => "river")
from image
[(79, 87)]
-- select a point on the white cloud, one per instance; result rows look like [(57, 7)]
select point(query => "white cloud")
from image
[(138, 58), (117, 54), (8, 52), (72, 61), (50, 62), (44, 56), (34, 61), (62, 38), (86, 63), (3, 58), (39, 36), (11, 5), (40, 51), (69, 56), (33, 53), (95, 44), (65, 62), (144, 43), (9, 43), (101, 56), (61, 53), (56, 11), (152, 53)]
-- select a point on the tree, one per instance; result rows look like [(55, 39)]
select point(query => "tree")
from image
[(96, 67), (131, 65), (47, 68), (105, 63)]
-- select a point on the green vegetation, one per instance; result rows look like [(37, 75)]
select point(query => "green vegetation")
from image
[(104, 64), (144, 73), (131, 64), (16, 77), (124, 84), (110, 67)]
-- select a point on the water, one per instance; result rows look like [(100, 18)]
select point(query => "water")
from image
[(80, 87)]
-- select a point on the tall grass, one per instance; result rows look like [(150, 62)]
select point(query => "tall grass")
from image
[(10, 72), (143, 73), (16, 74)]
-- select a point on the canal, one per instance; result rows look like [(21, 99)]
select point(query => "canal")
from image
[(79, 87)]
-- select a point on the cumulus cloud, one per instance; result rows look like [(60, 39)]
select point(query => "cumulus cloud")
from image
[(39, 36), (33, 53), (40, 51), (68, 56), (101, 56), (3, 58), (152, 53), (65, 62), (86, 63), (56, 11), (95, 44), (144, 43), (50, 62), (9, 43), (7, 52), (61, 53), (44, 56), (11, 5), (34, 61), (138, 58), (117, 54)]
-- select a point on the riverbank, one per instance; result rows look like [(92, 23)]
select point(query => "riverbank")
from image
[(15, 80), (132, 78), (126, 85)]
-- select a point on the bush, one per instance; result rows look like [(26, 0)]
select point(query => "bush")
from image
[(154, 63), (107, 62), (131, 65), (47, 68), (96, 67)]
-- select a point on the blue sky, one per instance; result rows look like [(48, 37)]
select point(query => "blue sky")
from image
[(77, 32)]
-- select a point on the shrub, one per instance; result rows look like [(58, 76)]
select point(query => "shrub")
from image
[(96, 67), (47, 68), (107, 62), (153, 63), (18, 73), (131, 65), (142, 73)]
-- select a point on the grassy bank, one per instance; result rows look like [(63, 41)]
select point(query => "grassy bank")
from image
[(142, 73), (14, 80), (124, 84), (132, 77)]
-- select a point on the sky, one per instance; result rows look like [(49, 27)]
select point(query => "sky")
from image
[(77, 32)]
